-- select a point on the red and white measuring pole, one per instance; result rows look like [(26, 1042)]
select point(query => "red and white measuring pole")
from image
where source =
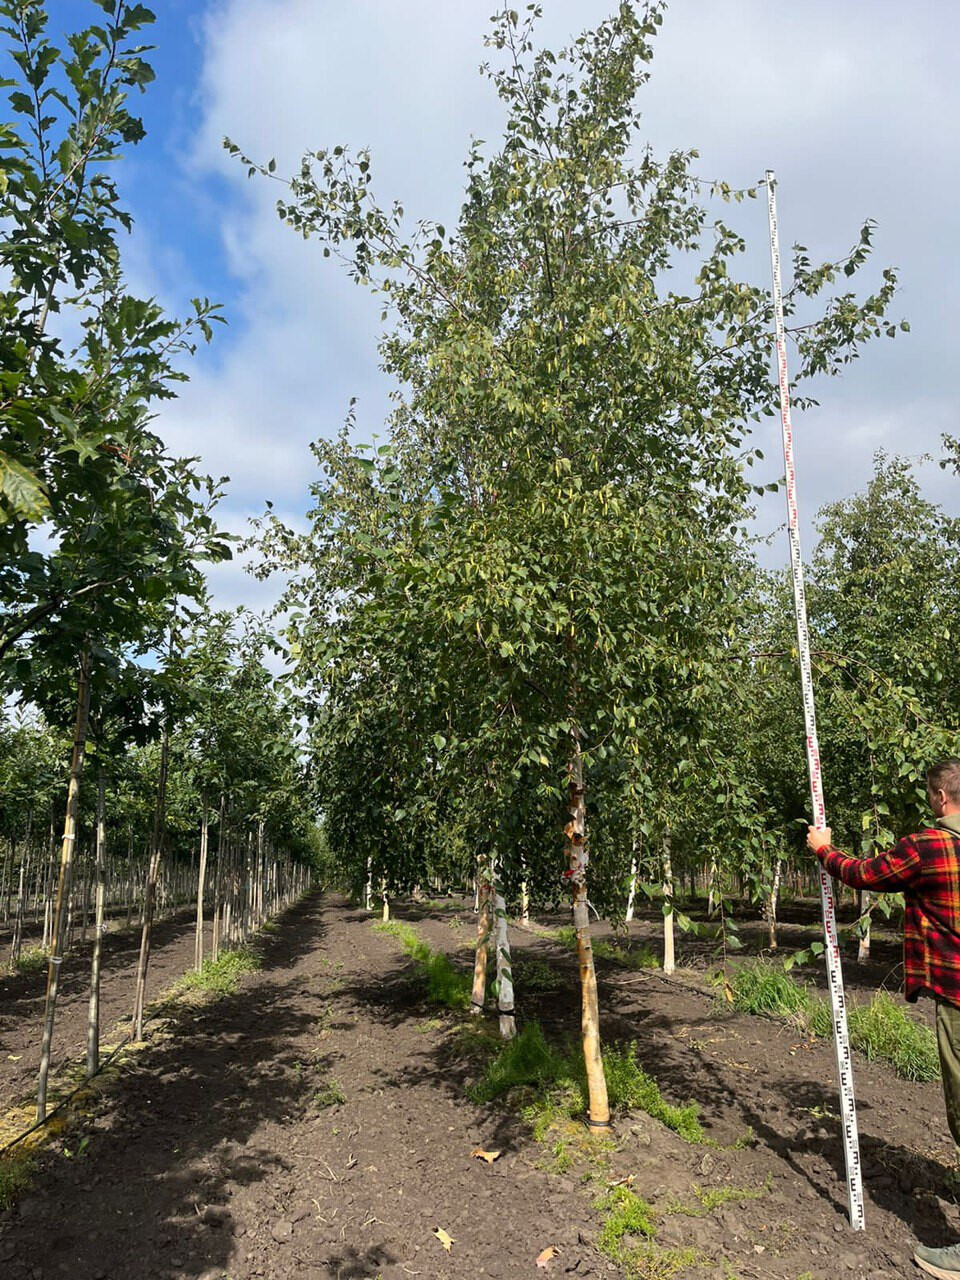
[(838, 1005)]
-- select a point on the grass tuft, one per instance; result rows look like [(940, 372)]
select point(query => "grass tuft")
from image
[(223, 974), (882, 1029), (624, 1214), (764, 987), (16, 1169), (558, 1082), (329, 1095), (31, 960), (885, 1031), (446, 984)]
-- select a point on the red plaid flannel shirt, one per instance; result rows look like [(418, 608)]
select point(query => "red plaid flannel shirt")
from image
[(925, 868)]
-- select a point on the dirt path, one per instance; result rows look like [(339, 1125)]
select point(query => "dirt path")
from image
[(315, 1125), (22, 998)]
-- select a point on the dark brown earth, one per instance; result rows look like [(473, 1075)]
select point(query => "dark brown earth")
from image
[(214, 1156), (22, 997)]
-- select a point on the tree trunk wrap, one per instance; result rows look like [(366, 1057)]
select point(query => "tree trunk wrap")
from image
[(508, 1025), (669, 954)]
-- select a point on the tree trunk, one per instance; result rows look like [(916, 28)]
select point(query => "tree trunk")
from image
[(576, 852), (712, 889), (863, 905), (201, 885), (150, 896), (368, 887), (63, 884), (479, 992), (93, 1015), (18, 922), (669, 958), (632, 889), (508, 1024), (385, 914), (772, 906), (524, 902)]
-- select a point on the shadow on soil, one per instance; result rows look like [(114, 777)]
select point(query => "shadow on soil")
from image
[(730, 1102), (176, 1132)]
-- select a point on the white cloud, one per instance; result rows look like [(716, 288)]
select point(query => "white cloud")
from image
[(853, 105)]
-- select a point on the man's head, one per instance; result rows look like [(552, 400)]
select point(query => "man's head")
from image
[(943, 787)]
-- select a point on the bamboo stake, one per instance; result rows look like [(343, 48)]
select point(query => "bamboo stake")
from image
[(93, 1016)]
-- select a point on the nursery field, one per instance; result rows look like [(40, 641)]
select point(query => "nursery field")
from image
[(324, 1120)]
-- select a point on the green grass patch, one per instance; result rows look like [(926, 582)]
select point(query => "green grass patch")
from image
[(626, 1238), (222, 975), (882, 1029), (638, 957), (16, 1170), (760, 986), (329, 1095), (446, 984), (710, 1198), (531, 977), (624, 1214), (556, 1079), (31, 960)]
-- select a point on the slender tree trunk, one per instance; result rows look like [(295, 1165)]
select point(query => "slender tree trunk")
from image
[(772, 905), (524, 902), (576, 852), (712, 889), (508, 1023), (156, 853), (368, 887), (484, 920), (863, 905), (63, 884), (93, 1018), (385, 914), (15, 945), (669, 959), (632, 889), (201, 884)]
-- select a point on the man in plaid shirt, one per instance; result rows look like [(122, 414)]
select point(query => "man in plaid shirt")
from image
[(925, 868)]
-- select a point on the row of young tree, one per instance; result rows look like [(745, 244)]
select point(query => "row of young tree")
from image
[(535, 609), (136, 719)]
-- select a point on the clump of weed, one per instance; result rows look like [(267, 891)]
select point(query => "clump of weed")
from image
[(629, 1086), (527, 1059), (883, 1029), (624, 1214), (32, 960), (222, 975), (639, 957), (532, 976), (16, 1168), (763, 987), (710, 1198), (329, 1095), (446, 984), (557, 1080)]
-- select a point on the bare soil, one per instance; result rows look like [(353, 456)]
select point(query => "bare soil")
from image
[(315, 1125)]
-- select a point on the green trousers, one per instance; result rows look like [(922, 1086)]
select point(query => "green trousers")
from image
[(948, 1042)]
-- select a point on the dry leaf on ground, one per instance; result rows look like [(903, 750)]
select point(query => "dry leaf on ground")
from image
[(479, 1154), (543, 1258), (445, 1239)]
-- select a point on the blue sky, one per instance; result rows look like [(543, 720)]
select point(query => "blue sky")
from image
[(854, 105)]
